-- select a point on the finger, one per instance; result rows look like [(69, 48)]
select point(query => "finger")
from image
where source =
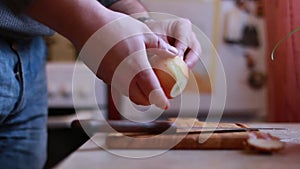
[(163, 37), (181, 47), (155, 42), (194, 53), (182, 34), (150, 87), (136, 95), (191, 59)]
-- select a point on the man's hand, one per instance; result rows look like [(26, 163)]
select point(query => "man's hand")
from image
[(179, 33), (136, 78), (120, 47), (180, 30)]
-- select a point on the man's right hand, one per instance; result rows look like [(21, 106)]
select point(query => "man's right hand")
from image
[(124, 62), (89, 16)]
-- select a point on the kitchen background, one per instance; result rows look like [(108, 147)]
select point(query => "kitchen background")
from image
[(237, 31), (244, 62)]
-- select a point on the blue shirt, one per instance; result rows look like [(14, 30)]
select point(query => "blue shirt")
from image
[(15, 24)]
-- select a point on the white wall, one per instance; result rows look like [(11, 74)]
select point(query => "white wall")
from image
[(240, 98)]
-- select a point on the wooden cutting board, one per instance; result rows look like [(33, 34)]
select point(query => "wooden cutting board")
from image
[(180, 141)]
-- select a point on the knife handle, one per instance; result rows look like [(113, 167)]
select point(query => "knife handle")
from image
[(124, 126)]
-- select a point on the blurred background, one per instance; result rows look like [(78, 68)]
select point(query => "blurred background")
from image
[(243, 34)]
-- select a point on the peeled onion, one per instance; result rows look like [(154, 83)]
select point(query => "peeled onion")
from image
[(172, 73)]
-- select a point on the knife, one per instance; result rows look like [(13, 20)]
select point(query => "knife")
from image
[(155, 127)]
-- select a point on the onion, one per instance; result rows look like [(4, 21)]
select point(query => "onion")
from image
[(172, 73), (264, 145), (264, 142)]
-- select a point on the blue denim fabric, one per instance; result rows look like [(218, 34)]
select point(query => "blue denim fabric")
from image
[(23, 104)]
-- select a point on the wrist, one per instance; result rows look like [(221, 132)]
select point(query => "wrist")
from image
[(145, 19)]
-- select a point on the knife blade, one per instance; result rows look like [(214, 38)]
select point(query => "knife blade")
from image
[(155, 127), (123, 126)]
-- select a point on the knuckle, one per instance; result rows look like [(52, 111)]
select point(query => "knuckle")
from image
[(185, 21)]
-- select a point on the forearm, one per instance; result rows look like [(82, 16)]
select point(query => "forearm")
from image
[(75, 19), (129, 7)]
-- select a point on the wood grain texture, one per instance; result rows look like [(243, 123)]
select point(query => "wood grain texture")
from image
[(282, 17), (179, 141), (91, 156)]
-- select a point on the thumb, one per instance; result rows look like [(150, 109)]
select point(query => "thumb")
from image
[(158, 46)]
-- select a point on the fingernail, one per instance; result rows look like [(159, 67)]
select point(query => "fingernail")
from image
[(158, 98), (172, 50)]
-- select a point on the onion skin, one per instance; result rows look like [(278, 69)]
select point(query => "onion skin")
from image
[(172, 73), (263, 142)]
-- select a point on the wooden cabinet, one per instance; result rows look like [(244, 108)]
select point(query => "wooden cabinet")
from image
[(283, 17)]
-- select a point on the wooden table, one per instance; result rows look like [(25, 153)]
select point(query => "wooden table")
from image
[(91, 156)]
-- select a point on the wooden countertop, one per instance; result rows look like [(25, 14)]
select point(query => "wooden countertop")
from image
[(91, 156)]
